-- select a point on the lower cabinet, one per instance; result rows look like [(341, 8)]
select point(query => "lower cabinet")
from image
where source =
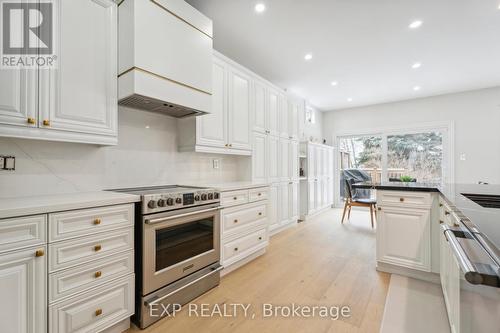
[(245, 225), (23, 290), (404, 237)]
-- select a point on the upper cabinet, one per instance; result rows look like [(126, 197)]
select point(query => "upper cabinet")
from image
[(77, 100), (227, 129), (260, 110)]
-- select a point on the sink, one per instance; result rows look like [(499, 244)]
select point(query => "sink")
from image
[(484, 200)]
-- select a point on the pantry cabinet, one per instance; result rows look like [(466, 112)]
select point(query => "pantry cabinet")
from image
[(77, 100), (227, 129), (23, 286)]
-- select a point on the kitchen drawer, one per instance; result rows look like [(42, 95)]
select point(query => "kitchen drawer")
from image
[(234, 198), (258, 194), (88, 249), (22, 232), (77, 223), (84, 277), (394, 198), (94, 311), (240, 245), (241, 216)]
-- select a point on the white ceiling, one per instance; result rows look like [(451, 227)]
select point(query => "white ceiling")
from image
[(365, 45)]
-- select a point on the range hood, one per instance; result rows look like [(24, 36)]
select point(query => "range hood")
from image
[(164, 58)]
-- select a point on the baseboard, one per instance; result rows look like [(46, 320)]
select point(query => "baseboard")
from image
[(412, 273), (242, 262), (282, 228), (119, 327), (309, 216)]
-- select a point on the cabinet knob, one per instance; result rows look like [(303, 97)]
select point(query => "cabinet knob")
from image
[(97, 248), (97, 221), (441, 221), (235, 221), (379, 208), (235, 198), (446, 213), (260, 213), (39, 253), (46, 122), (98, 274), (98, 312), (230, 145), (259, 194), (236, 249), (31, 121), (440, 205), (402, 199)]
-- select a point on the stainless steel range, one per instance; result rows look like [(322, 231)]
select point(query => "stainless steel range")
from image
[(177, 252)]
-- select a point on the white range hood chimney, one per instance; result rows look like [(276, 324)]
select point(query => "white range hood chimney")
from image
[(165, 57)]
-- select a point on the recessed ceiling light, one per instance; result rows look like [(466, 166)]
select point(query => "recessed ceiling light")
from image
[(334, 83), (349, 99), (416, 65), (260, 7), (415, 24), (308, 56), (417, 88)]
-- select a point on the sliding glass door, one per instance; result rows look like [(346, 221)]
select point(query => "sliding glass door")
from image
[(411, 155)]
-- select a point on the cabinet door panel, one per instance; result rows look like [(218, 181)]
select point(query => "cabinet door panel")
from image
[(273, 111), (284, 201), (81, 94), (293, 120), (259, 112), (294, 160), (294, 200), (311, 162), (403, 237), (18, 97), (273, 206), (273, 158), (259, 157), (284, 160), (23, 305), (239, 110), (211, 128), (311, 197), (319, 194), (283, 116)]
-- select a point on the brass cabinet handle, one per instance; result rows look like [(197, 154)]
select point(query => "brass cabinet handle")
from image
[(260, 213), (235, 198), (97, 221), (39, 253), (226, 145), (98, 312), (379, 208), (259, 194), (456, 224), (97, 248), (260, 238), (31, 121), (441, 221), (46, 122), (230, 145), (402, 199), (440, 205), (235, 221), (236, 249)]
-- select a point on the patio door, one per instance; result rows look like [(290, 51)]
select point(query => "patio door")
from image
[(414, 154)]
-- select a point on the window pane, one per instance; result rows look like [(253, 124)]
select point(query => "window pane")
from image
[(415, 157)]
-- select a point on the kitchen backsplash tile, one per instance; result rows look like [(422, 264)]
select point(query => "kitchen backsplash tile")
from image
[(145, 155)]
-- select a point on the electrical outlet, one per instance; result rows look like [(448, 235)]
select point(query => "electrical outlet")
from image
[(216, 163), (8, 163)]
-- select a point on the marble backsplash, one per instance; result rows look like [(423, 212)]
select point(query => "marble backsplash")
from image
[(146, 155)]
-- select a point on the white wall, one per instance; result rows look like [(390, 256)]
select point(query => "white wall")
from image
[(142, 157), (314, 131), (476, 116)]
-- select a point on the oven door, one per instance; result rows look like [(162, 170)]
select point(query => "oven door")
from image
[(176, 244)]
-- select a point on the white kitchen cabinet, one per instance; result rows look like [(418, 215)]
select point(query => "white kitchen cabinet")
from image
[(294, 160), (284, 204), (312, 164), (77, 100), (293, 189), (239, 110), (284, 150), (18, 98), (260, 114), (293, 119), (273, 111), (260, 157), (23, 286), (274, 206), (311, 189), (227, 130), (404, 237), (283, 116), (210, 128), (273, 148)]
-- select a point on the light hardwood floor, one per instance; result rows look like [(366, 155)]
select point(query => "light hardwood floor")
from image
[(319, 262)]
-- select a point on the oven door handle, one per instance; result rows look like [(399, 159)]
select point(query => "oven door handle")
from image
[(157, 299), (174, 217), (467, 267)]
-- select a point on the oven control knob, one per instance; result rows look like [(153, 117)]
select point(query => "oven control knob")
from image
[(170, 201), (162, 202), (197, 197), (204, 196), (210, 196), (152, 204), (178, 200), (216, 195)]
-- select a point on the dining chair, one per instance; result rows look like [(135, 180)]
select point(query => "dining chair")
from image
[(351, 200)]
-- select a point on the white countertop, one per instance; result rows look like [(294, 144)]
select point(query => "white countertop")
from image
[(31, 205), (231, 186)]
